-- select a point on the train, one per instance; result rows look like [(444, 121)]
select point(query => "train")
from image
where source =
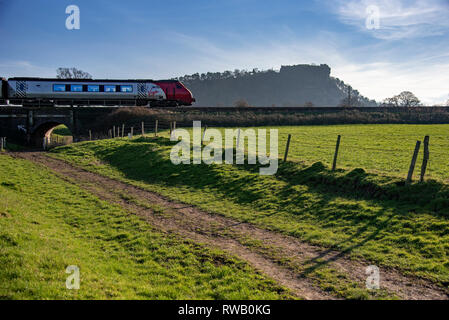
[(89, 92)]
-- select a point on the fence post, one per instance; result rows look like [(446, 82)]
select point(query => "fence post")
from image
[(143, 129), (337, 147), (113, 131), (287, 147), (90, 135), (155, 128), (123, 130), (110, 134), (425, 158), (132, 132), (1, 144), (412, 164), (174, 125)]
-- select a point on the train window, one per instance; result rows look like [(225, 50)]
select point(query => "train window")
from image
[(126, 88), (76, 88), (109, 89), (59, 87), (178, 86), (93, 88)]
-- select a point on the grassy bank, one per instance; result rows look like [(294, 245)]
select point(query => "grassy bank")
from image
[(364, 215), (47, 224)]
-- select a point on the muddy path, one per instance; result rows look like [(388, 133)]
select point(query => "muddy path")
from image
[(285, 259)]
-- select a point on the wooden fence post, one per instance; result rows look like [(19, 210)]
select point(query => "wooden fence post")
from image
[(337, 147), (90, 135), (155, 128), (174, 125), (143, 129), (287, 147), (123, 130), (412, 164), (425, 158), (132, 132), (113, 131), (1, 144)]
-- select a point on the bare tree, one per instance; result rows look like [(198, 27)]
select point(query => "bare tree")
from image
[(242, 103), (309, 104), (72, 73), (408, 99), (404, 99), (390, 102), (353, 99)]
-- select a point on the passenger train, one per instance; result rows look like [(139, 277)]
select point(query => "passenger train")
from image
[(86, 92)]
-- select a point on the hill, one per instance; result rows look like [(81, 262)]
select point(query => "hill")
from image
[(295, 85)]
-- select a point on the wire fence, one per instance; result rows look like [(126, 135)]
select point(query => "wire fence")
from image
[(394, 160), (398, 161)]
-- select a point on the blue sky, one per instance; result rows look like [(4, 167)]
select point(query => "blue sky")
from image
[(164, 39)]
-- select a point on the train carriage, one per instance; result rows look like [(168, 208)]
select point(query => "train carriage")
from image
[(43, 92), (3, 88)]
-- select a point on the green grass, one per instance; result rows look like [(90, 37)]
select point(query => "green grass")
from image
[(47, 224), (385, 149), (362, 214), (380, 148), (62, 131)]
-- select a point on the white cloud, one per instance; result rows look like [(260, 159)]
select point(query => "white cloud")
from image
[(381, 80), (398, 19), (22, 68)]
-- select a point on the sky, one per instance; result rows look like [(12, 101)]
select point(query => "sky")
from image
[(378, 47)]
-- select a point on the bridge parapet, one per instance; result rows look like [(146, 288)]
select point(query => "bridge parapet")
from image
[(29, 126)]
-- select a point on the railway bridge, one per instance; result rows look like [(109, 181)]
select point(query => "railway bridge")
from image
[(31, 125)]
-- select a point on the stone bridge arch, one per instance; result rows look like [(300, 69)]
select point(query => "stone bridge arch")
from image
[(44, 129)]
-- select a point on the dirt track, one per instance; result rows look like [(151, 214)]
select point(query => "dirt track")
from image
[(234, 237)]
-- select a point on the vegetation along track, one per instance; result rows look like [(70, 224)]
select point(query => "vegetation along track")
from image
[(311, 272)]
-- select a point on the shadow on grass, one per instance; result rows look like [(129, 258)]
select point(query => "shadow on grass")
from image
[(138, 161), (147, 160)]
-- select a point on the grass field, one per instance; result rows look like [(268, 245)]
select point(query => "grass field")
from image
[(47, 224), (61, 131), (382, 148), (385, 149), (365, 215)]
